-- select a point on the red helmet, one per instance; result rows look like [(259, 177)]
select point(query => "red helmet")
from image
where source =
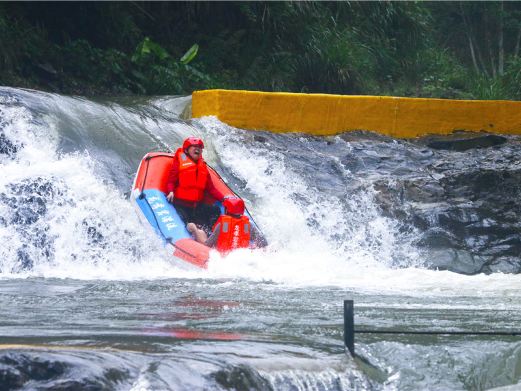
[(192, 141), (234, 206)]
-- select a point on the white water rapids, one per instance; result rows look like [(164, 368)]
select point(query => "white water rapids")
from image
[(68, 232)]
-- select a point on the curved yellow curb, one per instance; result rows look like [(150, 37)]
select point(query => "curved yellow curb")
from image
[(322, 114)]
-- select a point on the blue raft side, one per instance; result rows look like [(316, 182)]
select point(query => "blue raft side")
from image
[(165, 220), (162, 216)]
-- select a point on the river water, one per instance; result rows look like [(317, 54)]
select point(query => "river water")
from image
[(421, 234)]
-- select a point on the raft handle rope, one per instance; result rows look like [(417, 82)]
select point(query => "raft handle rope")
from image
[(349, 330), (147, 159), (245, 208)]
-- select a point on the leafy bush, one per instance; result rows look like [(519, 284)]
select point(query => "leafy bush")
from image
[(449, 50), (333, 62), (487, 88), (512, 77), (443, 76), (23, 48), (96, 67), (157, 72)]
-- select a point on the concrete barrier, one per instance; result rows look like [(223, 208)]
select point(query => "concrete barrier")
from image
[(322, 114)]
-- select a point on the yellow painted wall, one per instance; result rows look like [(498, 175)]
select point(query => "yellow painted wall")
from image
[(322, 114)]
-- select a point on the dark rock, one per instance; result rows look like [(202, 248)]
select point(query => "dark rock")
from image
[(259, 138), (458, 261), (74, 385), (28, 200), (25, 261), (423, 190), (30, 212), (27, 203), (503, 265), (472, 210), (241, 377), (16, 369), (7, 147), (37, 187), (93, 234), (114, 375), (464, 144), (11, 378), (437, 238), (19, 370)]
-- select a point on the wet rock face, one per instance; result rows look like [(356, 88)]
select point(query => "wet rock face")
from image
[(7, 147), (25, 204), (241, 377), (466, 208), (458, 195), (28, 200), (459, 143), (17, 369), (467, 226), (55, 371)]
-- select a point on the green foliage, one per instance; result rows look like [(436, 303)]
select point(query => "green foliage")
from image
[(331, 63), (9, 56), (512, 78), (78, 60), (189, 55), (483, 87), (23, 47), (147, 50), (443, 76), (396, 48), (156, 71)]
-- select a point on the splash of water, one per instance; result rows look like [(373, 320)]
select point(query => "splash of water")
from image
[(59, 219), (64, 215)]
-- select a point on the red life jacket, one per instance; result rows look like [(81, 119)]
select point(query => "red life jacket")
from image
[(234, 232), (193, 177)]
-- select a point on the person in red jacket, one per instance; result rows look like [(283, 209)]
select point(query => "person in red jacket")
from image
[(232, 230), (187, 183)]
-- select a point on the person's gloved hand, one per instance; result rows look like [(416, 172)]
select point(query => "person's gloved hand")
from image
[(170, 197)]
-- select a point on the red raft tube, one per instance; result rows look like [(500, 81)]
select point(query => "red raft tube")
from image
[(149, 199)]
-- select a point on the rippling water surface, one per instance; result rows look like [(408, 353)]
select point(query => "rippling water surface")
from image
[(422, 234)]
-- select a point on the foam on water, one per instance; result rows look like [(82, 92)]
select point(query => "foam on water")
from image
[(86, 228), (60, 218), (361, 250)]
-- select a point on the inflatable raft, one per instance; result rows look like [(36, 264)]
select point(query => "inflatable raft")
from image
[(149, 199)]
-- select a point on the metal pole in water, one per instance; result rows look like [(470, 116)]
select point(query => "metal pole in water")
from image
[(349, 326), (349, 330)]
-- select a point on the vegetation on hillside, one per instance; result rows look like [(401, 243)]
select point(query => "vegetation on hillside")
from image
[(428, 49)]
